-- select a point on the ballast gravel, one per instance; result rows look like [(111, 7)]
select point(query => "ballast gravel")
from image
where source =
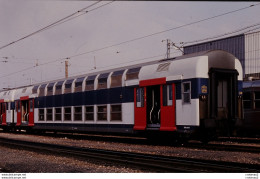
[(22, 161)]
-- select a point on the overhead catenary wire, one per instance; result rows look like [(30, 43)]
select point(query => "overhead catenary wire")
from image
[(135, 39), (69, 17), (225, 34)]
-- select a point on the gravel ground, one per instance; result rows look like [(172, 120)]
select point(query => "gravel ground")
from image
[(24, 161), (20, 161)]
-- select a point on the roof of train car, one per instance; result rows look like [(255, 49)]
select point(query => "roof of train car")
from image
[(97, 71)]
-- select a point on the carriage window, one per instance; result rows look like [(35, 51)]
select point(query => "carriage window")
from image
[(167, 95), (116, 78), (116, 112), (49, 114), (59, 87), (102, 81), (12, 105), (41, 114), (132, 73), (247, 100), (7, 106), (34, 90), (31, 105), (257, 100), (140, 97), (78, 113), (186, 92), (90, 83), (78, 84), (42, 90), (24, 90), (67, 113), (57, 114), (102, 113), (50, 89), (68, 85), (89, 114)]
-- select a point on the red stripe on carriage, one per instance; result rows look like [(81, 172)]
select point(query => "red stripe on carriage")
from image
[(151, 82)]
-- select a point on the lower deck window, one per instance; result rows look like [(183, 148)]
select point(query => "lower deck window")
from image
[(77, 113), (67, 113), (247, 100), (41, 114), (102, 113), (49, 114), (57, 114), (116, 113), (89, 114)]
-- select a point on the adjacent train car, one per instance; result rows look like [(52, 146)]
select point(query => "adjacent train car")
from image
[(251, 105), (192, 94)]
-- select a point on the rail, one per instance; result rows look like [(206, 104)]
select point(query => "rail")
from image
[(152, 163)]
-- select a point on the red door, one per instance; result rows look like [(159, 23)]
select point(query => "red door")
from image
[(140, 108), (18, 110), (3, 113), (168, 110), (31, 112)]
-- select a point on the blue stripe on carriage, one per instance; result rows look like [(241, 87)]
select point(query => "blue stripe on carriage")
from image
[(112, 95)]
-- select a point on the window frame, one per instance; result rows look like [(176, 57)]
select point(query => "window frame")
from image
[(184, 93), (112, 113), (87, 113), (102, 115), (77, 113)]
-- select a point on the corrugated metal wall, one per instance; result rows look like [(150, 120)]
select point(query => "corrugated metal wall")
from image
[(252, 53), (234, 45)]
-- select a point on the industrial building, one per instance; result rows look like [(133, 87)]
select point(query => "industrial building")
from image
[(246, 47)]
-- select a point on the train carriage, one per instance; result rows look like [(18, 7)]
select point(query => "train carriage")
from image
[(193, 93)]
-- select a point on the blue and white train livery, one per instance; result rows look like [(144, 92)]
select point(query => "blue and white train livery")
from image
[(193, 93)]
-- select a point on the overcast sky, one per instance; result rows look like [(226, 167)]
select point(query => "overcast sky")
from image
[(112, 24)]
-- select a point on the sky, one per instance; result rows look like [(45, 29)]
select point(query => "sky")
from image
[(119, 33)]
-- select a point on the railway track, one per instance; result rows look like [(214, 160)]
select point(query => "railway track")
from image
[(224, 147), (223, 144), (148, 162)]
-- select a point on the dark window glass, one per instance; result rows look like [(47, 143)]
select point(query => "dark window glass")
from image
[(41, 114), (140, 97), (67, 114), (102, 113), (89, 115), (77, 113), (186, 92), (167, 95), (57, 114), (49, 114), (116, 113)]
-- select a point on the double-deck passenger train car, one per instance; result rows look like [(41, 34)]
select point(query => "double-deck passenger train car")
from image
[(191, 94)]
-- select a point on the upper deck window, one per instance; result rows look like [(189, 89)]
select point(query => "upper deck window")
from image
[(42, 90), (34, 90), (102, 81), (133, 73), (68, 85), (24, 90), (90, 83), (59, 87), (50, 89), (78, 84), (116, 78)]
